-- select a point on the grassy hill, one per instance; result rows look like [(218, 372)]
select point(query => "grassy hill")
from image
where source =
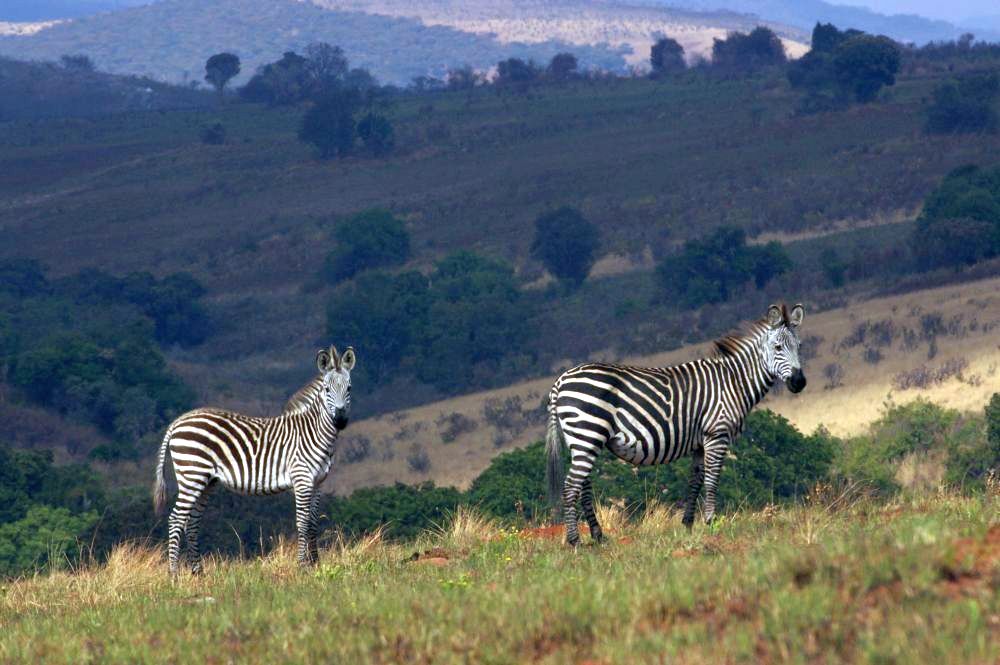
[(881, 349), (855, 582)]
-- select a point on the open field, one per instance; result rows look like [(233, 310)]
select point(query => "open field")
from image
[(841, 580), (961, 375)]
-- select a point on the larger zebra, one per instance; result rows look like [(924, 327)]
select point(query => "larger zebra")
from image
[(257, 456), (656, 415)]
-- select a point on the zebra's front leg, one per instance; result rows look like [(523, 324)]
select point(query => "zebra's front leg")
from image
[(314, 521), (304, 522), (587, 503), (694, 488), (715, 453)]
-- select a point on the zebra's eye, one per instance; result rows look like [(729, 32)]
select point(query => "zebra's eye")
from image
[(777, 347)]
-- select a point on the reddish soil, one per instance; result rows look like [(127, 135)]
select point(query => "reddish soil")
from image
[(550, 532), (974, 560), (433, 557)]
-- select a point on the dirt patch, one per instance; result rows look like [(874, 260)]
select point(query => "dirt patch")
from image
[(971, 566), (435, 556), (551, 532)]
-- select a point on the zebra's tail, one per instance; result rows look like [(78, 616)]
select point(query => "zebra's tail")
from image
[(160, 486), (555, 473)]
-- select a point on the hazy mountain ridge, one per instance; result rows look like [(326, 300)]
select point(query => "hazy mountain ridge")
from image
[(171, 40)]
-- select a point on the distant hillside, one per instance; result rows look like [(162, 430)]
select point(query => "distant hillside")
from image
[(46, 10), (580, 22), (172, 39), (805, 13)]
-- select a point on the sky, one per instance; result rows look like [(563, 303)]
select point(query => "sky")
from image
[(953, 11)]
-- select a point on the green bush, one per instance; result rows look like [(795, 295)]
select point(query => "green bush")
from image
[(368, 240), (965, 106), (565, 241), (405, 510), (43, 538)]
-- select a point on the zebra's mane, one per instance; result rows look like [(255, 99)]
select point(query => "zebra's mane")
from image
[(730, 345), (303, 397)]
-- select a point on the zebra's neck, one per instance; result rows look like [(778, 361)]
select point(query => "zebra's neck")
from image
[(753, 380), (304, 397), (312, 416)]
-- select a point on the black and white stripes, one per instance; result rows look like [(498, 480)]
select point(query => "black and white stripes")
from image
[(257, 456), (656, 415)]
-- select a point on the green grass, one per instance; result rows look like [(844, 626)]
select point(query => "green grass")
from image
[(910, 581)]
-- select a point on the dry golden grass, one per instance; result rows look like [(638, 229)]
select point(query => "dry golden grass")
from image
[(845, 410)]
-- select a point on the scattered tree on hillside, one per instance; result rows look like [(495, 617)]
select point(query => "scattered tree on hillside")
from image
[(565, 241), (220, 69), (747, 53), (463, 78), (710, 270), (330, 125), (965, 106), (368, 240), (562, 66), (285, 81), (666, 57), (376, 134)]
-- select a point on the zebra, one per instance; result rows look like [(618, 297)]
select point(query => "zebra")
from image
[(656, 415), (257, 456)]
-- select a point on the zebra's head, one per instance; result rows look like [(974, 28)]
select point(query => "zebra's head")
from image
[(781, 346), (336, 390)]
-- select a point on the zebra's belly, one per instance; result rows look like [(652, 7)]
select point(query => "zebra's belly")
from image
[(645, 446), (258, 487)]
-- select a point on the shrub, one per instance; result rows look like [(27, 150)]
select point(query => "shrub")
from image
[(964, 106), (330, 125), (371, 239), (42, 539), (455, 425), (355, 449), (376, 134), (748, 52), (213, 134), (864, 64), (418, 460), (404, 510), (666, 56)]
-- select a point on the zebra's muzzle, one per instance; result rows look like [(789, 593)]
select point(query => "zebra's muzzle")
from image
[(340, 419), (796, 382)]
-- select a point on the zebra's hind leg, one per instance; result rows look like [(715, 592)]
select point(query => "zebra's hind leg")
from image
[(587, 503), (582, 456), (193, 526), (304, 522), (694, 487), (189, 490)]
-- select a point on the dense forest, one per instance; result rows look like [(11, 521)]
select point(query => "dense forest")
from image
[(462, 233)]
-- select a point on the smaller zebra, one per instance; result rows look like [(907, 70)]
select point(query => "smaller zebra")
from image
[(257, 456)]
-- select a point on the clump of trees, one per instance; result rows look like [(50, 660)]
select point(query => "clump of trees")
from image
[(86, 346), (965, 106), (366, 241), (747, 53), (960, 222), (712, 269), (843, 67), (565, 242), (460, 326)]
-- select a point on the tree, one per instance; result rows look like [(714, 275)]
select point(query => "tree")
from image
[(220, 69), (330, 126), (516, 73), (384, 316), (42, 538), (864, 64), (562, 66), (368, 240), (748, 52), (326, 68), (463, 78), (376, 134), (711, 269), (565, 241), (960, 222), (285, 81), (965, 106), (666, 57)]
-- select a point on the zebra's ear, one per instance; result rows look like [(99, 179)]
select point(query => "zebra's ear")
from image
[(796, 315), (347, 360), (774, 316), (323, 361)]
